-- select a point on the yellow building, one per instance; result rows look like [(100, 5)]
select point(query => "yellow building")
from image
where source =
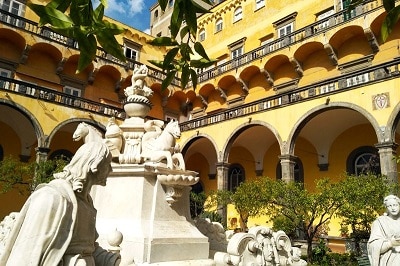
[(302, 90)]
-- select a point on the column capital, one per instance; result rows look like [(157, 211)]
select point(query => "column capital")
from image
[(387, 145)]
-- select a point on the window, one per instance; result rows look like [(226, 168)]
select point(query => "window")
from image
[(285, 27), (156, 15), (324, 18), (4, 73), (238, 14), (260, 4), (236, 176), (202, 35), (131, 51), (72, 91), (170, 3), (218, 25), (285, 30), (237, 52), (14, 7), (343, 5), (364, 160)]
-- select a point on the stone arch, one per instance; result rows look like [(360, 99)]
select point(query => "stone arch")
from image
[(289, 148), (41, 137), (224, 155)]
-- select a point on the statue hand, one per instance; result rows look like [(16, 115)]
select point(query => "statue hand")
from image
[(395, 241)]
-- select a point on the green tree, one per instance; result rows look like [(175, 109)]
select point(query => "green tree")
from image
[(248, 199), (312, 211), (25, 177), (363, 201), (79, 20)]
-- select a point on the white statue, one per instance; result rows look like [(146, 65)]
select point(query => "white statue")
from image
[(56, 226), (261, 246), (384, 242), (138, 87), (158, 144)]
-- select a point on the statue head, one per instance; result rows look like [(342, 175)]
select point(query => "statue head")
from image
[(91, 160), (392, 204)]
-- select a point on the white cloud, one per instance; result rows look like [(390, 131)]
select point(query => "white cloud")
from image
[(126, 7)]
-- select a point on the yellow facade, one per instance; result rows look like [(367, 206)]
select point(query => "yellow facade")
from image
[(302, 90)]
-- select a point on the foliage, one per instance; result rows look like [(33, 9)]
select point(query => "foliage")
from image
[(77, 19), (197, 201), (320, 252), (322, 256), (24, 177), (179, 57), (283, 223), (213, 216), (391, 18), (249, 200), (362, 205), (311, 210), (83, 24), (15, 175)]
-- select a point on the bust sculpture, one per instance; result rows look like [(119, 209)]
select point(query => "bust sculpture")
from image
[(384, 242), (56, 226)]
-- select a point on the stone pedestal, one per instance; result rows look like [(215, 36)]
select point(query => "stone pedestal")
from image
[(149, 204)]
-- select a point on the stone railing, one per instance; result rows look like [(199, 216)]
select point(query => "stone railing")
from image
[(46, 33), (312, 30), (52, 96), (324, 88)]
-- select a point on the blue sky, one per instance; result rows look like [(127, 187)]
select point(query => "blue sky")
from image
[(134, 13)]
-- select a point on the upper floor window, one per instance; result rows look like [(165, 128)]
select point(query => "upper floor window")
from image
[(285, 30), (72, 91), (219, 25), (202, 35), (156, 15), (131, 50), (323, 17), (237, 52), (170, 3), (236, 176), (260, 4), (14, 7), (238, 14)]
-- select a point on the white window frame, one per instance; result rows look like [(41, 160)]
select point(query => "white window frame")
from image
[(237, 52), (219, 25), (15, 8), (285, 29), (260, 4), (237, 14), (131, 52), (324, 15), (202, 35), (72, 91)]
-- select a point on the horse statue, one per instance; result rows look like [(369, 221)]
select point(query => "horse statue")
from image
[(113, 136), (87, 133), (159, 145)]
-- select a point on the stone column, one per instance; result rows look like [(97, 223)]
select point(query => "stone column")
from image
[(387, 151), (41, 154), (222, 175), (222, 184), (287, 167)]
